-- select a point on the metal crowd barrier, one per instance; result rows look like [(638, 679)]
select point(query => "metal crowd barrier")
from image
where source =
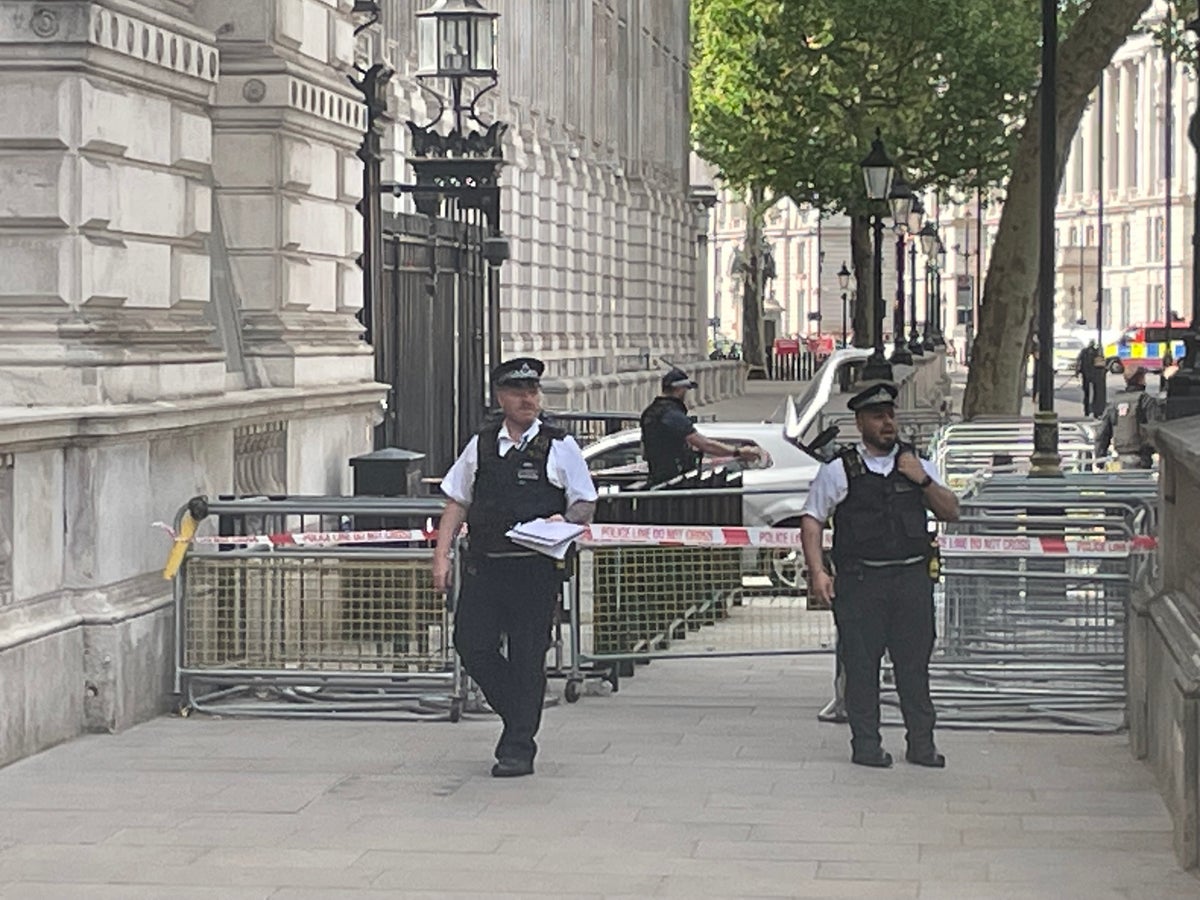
[(1036, 580), (589, 427), (794, 366), (292, 608), (647, 592), (964, 450)]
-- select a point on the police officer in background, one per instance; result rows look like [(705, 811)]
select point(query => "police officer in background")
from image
[(670, 442), (519, 470), (878, 493), (1124, 423)]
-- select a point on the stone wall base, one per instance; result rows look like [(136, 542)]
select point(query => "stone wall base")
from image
[(1163, 679)]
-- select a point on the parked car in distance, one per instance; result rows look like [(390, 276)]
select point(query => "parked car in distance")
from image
[(1067, 348)]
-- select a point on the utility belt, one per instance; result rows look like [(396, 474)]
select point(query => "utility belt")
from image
[(932, 559), (564, 567)]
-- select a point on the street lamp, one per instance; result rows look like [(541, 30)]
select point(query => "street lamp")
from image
[(915, 227), (1183, 388), (902, 200), (1045, 461), (877, 169), (928, 236), (843, 277)]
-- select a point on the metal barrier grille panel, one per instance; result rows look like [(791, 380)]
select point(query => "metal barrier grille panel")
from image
[(313, 613), (647, 602), (1034, 608)]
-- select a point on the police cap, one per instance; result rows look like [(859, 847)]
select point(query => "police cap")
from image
[(524, 371), (677, 378), (880, 393)]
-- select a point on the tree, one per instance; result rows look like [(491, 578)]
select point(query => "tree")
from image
[(995, 384), (787, 97)]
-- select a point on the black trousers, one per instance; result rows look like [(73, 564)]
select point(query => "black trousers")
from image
[(513, 598), (892, 609), (1089, 396)]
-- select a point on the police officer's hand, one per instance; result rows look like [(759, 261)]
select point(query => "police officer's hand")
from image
[(555, 518), (820, 587), (910, 467), (748, 453), (441, 574)]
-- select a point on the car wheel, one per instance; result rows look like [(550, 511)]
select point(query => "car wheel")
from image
[(1115, 366), (785, 567)]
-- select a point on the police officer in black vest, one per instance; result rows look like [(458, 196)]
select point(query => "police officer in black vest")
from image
[(1124, 423), (878, 493), (519, 470), (670, 441)]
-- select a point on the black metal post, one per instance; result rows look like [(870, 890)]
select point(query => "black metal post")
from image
[(845, 311), (927, 344), (1099, 375), (915, 347), (1045, 460), (900, 352), (877, 366), (1183, 388), (1168, 148)]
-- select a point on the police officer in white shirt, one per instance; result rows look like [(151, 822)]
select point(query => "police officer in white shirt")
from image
[(519, 470), (878, 493)]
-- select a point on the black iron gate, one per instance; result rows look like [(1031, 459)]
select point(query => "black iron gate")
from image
[(431, 334), (431, 281)]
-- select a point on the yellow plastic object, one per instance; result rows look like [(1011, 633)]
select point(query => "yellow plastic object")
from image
[(187, 530)]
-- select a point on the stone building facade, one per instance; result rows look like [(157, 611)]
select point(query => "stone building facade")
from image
[(597, 203), (178, 243)]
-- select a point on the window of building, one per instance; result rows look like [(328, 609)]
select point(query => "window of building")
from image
[(1074, 236), (1156, 229), (1106, 245), (1156, 308), (1091, 236), (1126, 306), (1126, 244), (1106, 314), (1057, 239)]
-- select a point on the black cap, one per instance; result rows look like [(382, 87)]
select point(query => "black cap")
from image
[(881, 393), (677, 378), (524, 371)]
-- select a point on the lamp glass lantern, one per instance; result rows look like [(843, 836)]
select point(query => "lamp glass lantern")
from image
[(843, 277), (877, 169), (941, 255), (929, 239), (916, 216), (456, 39), (901, 200)]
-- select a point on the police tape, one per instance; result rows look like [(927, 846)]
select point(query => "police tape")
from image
[(310, 538), (791, 539), (732, 537)]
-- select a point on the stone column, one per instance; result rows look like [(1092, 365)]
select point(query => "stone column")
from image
[(1128, 133), (286, 126), (105, 211)]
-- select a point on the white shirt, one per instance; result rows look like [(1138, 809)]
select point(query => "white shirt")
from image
[(830, 487), (565, 467)]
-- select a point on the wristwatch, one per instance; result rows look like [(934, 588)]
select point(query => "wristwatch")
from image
[(926, 481)]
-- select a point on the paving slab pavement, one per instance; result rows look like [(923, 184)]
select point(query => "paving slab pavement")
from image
[(701, 778)]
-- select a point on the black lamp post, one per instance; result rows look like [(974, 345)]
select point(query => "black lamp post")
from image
[(843, 277), (1045, 460), (877, 171), (929, 246), (901, 200), (939, 307), (915, 226), (1183, 388)]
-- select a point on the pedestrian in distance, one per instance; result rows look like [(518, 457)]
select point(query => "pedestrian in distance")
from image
[(1085, 368), (1124, 422), (516, 471), (671, 444), (879, 494)]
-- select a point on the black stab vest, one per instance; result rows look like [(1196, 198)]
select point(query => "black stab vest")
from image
[(882, 519), (667, 455), (510, 489)]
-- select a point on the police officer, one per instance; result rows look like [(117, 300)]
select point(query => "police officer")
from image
[(670, 442), (1124, 423), (878, 493), (519, 470), (1089, 374)]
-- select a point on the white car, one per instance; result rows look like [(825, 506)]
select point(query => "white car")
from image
[(774, 488)]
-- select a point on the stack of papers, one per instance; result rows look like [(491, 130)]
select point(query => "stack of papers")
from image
[(550, 538)]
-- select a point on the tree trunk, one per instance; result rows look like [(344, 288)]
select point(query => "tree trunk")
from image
[(864, 280), (996, 381), (753, 339)]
